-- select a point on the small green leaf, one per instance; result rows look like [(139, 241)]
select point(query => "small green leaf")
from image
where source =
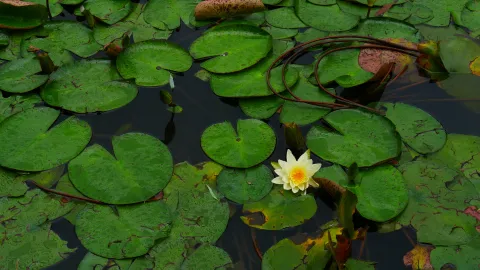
[(149, 62), (280, 209), (233, 148), (233, 47), (162, 14), (245, 185)]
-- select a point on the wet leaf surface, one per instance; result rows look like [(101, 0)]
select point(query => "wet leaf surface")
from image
[(17, 103), (162, 14), (134, 24), (109, 11), (65, 35), (88, 86), (92, 261), (22, 75), (358, 136), (129, 234), (207, 257), (462, 257), (337, 19), (149, 62), (16, 14), (251, 82), (283, 18), (382, 193), (278, 210), (245, 185), (45, 248), (34, 147), (126, 177), (251, 143), (233, 48), (437, 198), (418, 129), (461, 152)]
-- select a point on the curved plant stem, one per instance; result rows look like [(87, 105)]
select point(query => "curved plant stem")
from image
[(255, 244), (371, 43), (49, 190), (48, 9)]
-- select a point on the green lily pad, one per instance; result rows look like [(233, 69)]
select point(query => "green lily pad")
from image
[(162, 14), (12, 51), (248, 185), (471, 15), (302, 252), (271, 2), (37, 248), (301, 113), (8, 186), (343, 67), (17, 103), (280, 46), (233, 48), (91, 261), (127, 177), (149, 62), (380, 2), (65, 185), (207, 257), (33, 209), (32, 147), (66, 35), (381, 193), (234, 148), (358, 136), (461, 152), (185, 8), (283, 18), (21, 75), (458, 53), (188, 179), (399, 12), (442, 10), (4, 39), (88, 86), (310, 34), (134, 24), (252, 82), (462, 257), (323, 2), (334, 173), (16, 14), (437, 198), (280, 33), (440, 33), (109, 11), (384, 28), (278, 210), (353, 264), (55, 7), (419, 14), (337, 20), (418, 129), (129, 234), (261, 107)]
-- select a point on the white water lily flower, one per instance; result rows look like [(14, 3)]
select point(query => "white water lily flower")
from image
[(295, 174)]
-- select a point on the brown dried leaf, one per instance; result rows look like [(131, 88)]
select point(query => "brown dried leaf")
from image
[(419, 257), (226, 8), (372, 60)]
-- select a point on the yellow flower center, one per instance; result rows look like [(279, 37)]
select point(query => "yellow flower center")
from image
[(297, 175)]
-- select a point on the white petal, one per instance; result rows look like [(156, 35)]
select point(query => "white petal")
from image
[(295, 189), (283, 164), (302, 186), (312, 169), (290, 157), (275, 165), (305, 192), (277, 180), (313, 183), (287, 186), (305, 156)]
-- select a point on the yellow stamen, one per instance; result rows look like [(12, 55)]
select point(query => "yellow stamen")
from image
[(298, 175)]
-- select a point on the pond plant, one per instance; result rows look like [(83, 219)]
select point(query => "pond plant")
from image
[(383, 166)]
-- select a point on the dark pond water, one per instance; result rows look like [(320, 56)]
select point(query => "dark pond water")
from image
[(182, 132)]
